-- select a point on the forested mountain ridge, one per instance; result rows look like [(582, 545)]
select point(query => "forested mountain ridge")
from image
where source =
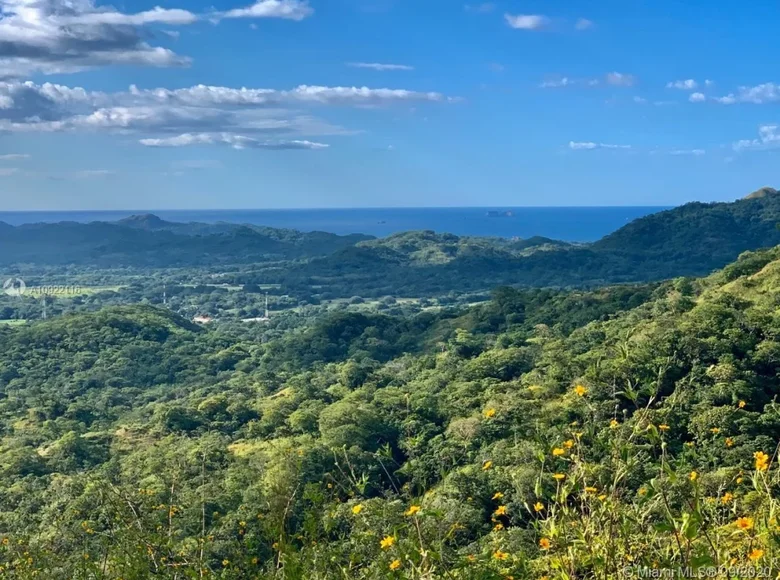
[(690, 240), (149, 241), (544, 433)]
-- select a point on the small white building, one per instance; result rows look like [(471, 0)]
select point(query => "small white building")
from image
[(203, 319)]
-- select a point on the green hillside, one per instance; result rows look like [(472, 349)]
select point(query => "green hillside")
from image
[(690, 240), (544, 433)]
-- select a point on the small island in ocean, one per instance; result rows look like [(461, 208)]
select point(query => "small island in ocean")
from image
[(495, 213)]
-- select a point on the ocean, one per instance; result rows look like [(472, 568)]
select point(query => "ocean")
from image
[(573, 224)]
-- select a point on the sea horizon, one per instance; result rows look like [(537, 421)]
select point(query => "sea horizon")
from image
[(568, 223)]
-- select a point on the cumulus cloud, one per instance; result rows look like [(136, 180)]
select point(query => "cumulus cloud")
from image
[(231, 140), (683, 85), (289, 9), (526, 21), (757, 95), (380, 67), (590, 145), (768, 138), (62, 36), (239, 117), (694, 152)]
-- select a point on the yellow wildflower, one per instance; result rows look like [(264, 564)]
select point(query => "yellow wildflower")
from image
[(590, 489), (762, 460), (729, 442), (412, 510), (357, 509), (613, 424), (497, 495), (395, 564), (487, 465), (489, 413), (756, 554), (545, 544), (693, 476), (580, 390), (559, 476), (538, 506), (742, 404), (715, 430), (744, 523), (501, 511), (557, 452), (568, 444), (499, 555), (727, 497), (387, 542)]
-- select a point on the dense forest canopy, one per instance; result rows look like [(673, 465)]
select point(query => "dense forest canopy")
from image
[(402, 411), (540, 433)]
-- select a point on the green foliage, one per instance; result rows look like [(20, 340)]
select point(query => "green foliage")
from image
[(542, 433)]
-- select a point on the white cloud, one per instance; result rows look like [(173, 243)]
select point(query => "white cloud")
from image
[(246, 117), (554, 83), (14, 156), (380, 67), (614, 79), (620, 79), (684, 85), (288, 9), (768, 138), (156, 15), (526, 21), (697, 98), (64, 36), (590, 145), (583, 24), (727, 100), (229, 139), (708, 83), (694, 152), (6, 171), (757, 95), (640, 100), (53, 36)]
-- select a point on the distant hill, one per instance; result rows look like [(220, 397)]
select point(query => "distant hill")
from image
[(693, 239), (147, 240)]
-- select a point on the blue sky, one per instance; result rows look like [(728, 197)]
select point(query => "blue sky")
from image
[(358, 103)]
